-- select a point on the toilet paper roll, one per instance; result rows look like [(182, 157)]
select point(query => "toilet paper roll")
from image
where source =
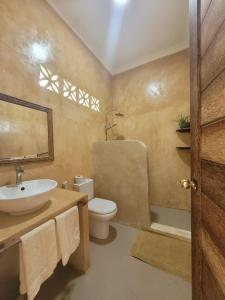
[(79, 179)]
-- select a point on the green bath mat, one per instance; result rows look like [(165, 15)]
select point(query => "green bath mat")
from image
[(167, 253)]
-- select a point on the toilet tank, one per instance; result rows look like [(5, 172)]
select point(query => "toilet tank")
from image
[(85, 186)]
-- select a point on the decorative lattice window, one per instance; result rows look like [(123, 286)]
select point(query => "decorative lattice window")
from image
[(95, 104), (69, 90), (83, 98), (48, 80), (54, 83)]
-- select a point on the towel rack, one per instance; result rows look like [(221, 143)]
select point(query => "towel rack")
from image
[(4, 247)]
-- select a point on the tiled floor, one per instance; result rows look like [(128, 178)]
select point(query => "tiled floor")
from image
[(115, 275)]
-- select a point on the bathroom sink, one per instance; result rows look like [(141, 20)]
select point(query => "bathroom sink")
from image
[(26, 197)]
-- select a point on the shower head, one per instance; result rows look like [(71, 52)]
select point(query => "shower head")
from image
[(116, 113), (119, 114)]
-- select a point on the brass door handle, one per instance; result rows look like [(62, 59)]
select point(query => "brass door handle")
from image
[(187, 184)]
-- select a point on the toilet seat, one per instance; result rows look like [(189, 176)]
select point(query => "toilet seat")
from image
[(101, 206)]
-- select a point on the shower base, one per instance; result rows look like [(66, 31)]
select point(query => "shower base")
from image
[(171, 231), (177, 218)]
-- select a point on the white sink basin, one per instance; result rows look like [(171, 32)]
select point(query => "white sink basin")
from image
[(26, 197)]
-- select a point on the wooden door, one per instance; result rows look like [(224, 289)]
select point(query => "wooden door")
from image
[(207, 49)]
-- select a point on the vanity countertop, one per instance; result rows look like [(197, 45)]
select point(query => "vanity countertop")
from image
[(13, 227)]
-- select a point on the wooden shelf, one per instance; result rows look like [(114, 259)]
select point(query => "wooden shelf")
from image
[(183, 129), (13, 227), (184, 148)]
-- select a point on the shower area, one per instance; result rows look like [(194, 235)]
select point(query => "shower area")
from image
[(122, 173), (144, 155)]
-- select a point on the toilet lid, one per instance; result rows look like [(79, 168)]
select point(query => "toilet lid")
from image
[(101, 206)]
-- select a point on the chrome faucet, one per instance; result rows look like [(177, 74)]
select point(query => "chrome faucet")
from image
[(19, 172)]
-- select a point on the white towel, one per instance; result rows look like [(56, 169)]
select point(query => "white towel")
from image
[(38, 258), (68, 233)]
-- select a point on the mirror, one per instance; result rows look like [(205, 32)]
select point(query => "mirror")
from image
[(26, 131)]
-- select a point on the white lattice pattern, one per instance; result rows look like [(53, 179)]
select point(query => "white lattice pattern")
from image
[(49, 80), (95, 104), (69, 90), (83, 98), (53, 83)]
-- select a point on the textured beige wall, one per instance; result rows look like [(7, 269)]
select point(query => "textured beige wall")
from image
[(152, 97), (33, 35), (121, 174)]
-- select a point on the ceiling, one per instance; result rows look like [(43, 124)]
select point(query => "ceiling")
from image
[(124, 34)]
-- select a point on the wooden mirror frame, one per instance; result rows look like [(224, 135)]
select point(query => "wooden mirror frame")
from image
[(31, 105)]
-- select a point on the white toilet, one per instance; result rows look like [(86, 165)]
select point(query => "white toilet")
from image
[(101, 211)]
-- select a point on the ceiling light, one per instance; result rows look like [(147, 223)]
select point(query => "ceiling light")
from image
[(121, 2)]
